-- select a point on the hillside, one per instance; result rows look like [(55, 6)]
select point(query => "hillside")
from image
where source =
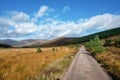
[(74, 40), (56, 42), (103, 34)]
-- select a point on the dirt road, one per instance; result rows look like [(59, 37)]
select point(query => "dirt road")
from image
[(84, 67)]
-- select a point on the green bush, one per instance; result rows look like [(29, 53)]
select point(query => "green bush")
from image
[(95, 45), (53, 49), (39, 50), (89, 44)]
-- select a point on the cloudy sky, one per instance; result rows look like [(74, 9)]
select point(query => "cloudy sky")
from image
[(49, 19)]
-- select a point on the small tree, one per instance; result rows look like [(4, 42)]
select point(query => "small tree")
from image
[(90, 44), (39, 50), (95, 44)]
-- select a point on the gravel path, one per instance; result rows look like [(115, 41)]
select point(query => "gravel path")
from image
[(84, 67)]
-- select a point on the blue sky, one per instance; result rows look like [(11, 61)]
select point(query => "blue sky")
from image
[(48, 19)]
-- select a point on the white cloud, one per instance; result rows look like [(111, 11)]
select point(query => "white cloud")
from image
[(66, 8), (25, 28), (42, 11), (19, 17), (16, 24), (102, 22), (20, 24)]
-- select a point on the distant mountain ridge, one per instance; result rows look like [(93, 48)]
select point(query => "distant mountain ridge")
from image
[(9, 41), (62, 41), (21, 43)]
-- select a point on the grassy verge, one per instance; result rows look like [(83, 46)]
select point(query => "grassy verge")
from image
[(108, 57), (110, 60), (55, 70)]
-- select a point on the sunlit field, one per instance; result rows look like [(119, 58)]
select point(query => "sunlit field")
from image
[(23, 63)]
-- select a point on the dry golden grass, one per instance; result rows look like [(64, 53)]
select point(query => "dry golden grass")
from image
[(110, 60), (22, 63)]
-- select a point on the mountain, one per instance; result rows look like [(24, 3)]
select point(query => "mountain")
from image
[(29, 42), (22, 43), (56, 42), (9, 41)]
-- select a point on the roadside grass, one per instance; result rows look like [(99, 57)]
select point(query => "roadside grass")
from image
[(55, 70), (27, 64), (110, 60), (107, 53)]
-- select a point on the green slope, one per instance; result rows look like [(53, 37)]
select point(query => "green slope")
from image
[(103, 34)]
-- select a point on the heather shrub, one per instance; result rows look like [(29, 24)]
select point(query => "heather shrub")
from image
[(107, 42)]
